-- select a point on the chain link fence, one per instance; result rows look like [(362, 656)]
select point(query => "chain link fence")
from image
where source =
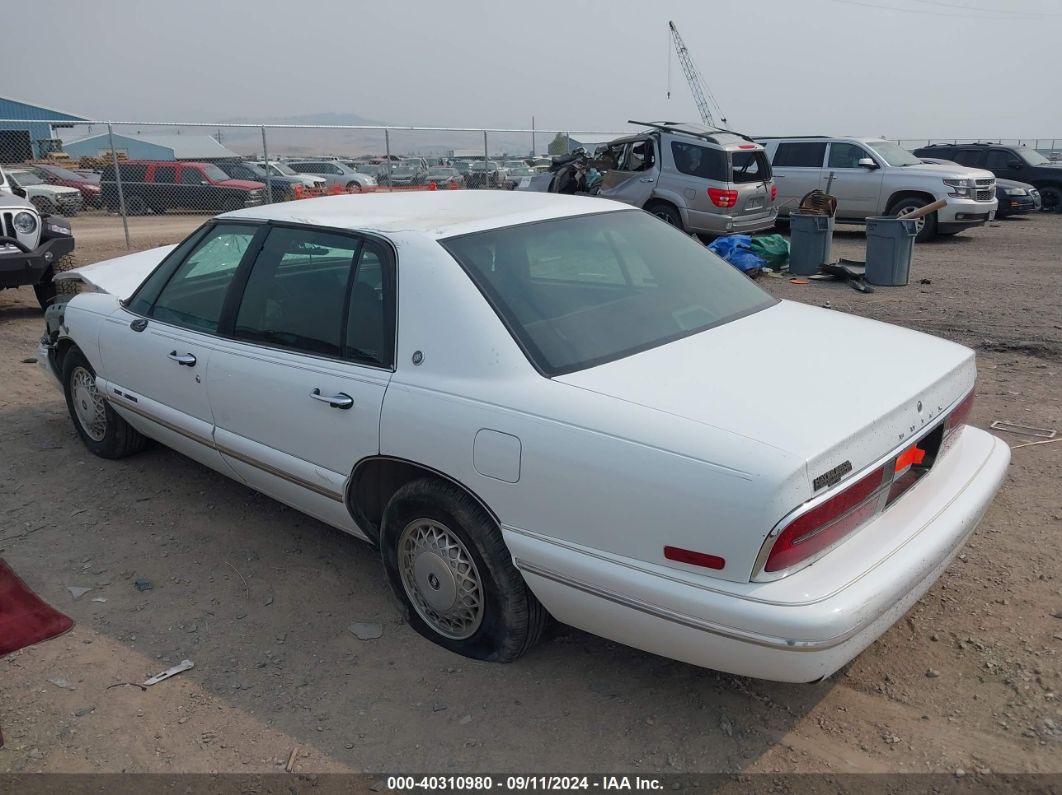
[(147, 181)]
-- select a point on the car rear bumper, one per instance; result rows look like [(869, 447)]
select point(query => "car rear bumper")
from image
[(18, 268), (798, 629), (723, 224)]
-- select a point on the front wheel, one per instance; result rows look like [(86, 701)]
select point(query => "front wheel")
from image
[(926, 226), (447, 563), (1051, 199), (353, 187), (100, 428)]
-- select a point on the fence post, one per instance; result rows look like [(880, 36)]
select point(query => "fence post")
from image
[(486, 159), (118, 181), (268, 168), (387, 146), (568, 143)]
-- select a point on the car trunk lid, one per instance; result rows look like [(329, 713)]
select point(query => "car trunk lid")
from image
[(838, 391), (120, 276)]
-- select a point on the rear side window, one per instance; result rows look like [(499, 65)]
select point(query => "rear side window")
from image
[(974, 158), (132, 172), (319, 293), (699, 161), (803, 154), (749, 167)]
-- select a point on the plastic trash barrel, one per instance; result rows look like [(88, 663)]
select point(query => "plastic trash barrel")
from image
[(890, 242), (811, 238)]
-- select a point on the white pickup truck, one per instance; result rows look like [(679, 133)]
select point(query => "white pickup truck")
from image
[(873, 177)]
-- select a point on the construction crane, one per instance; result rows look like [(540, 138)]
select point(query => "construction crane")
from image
[(699, 89)]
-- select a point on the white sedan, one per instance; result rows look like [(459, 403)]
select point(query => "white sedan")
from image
[(539, 405)]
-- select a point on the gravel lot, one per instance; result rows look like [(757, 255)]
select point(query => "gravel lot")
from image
[(261, 598)]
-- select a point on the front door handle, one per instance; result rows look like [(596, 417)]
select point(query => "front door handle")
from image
[(647, 179), (339, 401), (187, 359)]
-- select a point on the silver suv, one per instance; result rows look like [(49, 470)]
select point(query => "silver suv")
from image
[(696, 178), (873, 177)]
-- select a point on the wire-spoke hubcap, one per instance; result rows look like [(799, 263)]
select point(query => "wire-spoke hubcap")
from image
[(920, 223), (440, 578), (88, 404)]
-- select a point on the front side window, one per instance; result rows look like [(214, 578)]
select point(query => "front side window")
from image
[(581, 291), (894, 155), (319, 293), (800, 154), (191, 176), (999, 159), (699, 161), (844, 155), (195, 293)]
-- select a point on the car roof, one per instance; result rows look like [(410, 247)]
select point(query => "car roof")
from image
[(435, 214)]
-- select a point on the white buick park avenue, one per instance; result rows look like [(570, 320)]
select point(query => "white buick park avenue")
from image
[(547, 407)]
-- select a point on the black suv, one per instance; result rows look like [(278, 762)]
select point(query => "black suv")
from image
[(1007, 162)]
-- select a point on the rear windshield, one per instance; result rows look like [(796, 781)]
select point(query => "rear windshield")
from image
[(749, 166), (576, 292), (699, 161)]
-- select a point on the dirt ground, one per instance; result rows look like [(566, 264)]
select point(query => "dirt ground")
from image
[(261, 598)]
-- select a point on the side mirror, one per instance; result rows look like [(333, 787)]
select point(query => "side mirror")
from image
[(204, 182), (20, 192), (868, 162)]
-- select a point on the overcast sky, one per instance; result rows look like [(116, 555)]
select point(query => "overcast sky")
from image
[(900, 68)]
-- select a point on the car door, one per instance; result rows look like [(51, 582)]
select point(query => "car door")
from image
[(165, 179), (857, 188), (156, 349), (297, 391), (198, 192), (633, 180), (798, 170)]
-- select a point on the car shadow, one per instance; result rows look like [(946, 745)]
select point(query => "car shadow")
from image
[(261, 598)]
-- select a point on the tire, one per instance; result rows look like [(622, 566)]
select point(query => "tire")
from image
[(1051, 198), (45, 289), (667, 213), (506, 619), (43, 205), (101, 430), (927, 226), (354, 187), (136, 205)]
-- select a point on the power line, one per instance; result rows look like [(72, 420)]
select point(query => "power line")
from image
[(1006, 11)]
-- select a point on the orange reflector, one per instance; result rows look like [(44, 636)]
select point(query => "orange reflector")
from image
[(912, 456), (694, 558)]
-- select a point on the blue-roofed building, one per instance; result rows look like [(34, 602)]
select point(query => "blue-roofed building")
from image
[(30, 130), (150, 147)]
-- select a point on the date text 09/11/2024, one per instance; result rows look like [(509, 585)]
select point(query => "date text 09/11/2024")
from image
[(522, 782)]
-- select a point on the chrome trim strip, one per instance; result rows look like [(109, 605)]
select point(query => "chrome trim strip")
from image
[(324, 491), (770, 641)]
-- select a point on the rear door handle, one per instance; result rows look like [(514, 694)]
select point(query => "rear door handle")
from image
[(339, 401), (647, 179), (187, 359)]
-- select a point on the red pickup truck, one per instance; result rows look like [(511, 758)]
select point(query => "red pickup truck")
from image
[(161, 185)]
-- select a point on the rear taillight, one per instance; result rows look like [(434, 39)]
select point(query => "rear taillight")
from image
[(814, 529), (722, 198), (827, 523), (774, 191), (960, 414)]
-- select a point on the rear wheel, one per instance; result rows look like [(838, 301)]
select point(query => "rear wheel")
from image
[(354, 187), (1051, 197), (447, 563), (100, 428), (666, 212), (926, 225)]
